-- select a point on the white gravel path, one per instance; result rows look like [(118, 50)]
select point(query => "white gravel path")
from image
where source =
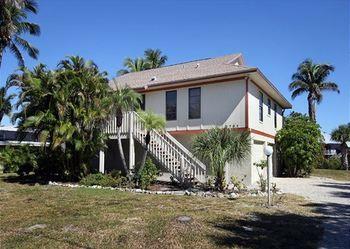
[(331, 198)]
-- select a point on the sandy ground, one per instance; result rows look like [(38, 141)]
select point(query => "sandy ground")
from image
[(331, 198)]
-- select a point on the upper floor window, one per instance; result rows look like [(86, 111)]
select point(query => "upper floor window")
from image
[(275, 115), (143, 102), (261, 110), (170, 105), (194, 103), (269, 106)]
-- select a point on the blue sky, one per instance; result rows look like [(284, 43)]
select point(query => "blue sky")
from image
[(272, 35)]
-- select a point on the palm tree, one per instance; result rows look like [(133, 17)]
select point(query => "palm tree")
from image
[(311, 79), (155, 58), (134, 65), (79, 64), (124, 99), (220, 146), (342, 135), (151, 121), (13, 24), (67, 108), (5, 103)]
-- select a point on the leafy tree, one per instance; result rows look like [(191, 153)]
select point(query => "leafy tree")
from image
[(5, 103), (155, 58), (151, 121), (299, 145), (220, 146), (134, 65), (342, 135), (14, 24), (123, 99), (312, 79), (67, 109)]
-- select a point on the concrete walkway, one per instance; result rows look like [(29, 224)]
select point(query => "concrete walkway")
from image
[(331, 198)]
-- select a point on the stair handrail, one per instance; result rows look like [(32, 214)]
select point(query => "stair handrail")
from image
[(177, 144)]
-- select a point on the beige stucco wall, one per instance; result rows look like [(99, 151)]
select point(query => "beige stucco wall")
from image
[(221, 104), (224, 104), (267, 125), (245, 169)]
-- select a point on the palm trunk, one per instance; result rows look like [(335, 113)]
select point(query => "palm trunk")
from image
[(121, 152), (1, 116), (144, 157), (312, 108), (345, 162)]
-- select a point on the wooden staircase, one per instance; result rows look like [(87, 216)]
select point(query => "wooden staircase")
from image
[(170, 154)]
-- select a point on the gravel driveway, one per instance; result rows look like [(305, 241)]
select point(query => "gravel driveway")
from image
[(331, 198)]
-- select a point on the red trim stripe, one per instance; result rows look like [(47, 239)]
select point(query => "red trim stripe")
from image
[(195, 132)]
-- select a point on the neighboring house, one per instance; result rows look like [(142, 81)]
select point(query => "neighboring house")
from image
[(9, 136), (194, 97), (333, 149)]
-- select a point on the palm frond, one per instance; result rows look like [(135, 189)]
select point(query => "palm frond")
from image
[(17, 53), (27, 27), (25, 45)]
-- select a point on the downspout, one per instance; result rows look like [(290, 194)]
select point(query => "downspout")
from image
[(247, 103)]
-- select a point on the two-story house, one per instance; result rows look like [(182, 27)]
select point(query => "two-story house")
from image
[(196, 96)]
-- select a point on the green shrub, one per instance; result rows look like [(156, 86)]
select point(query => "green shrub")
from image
[(21, 160), (102, 180), (262, 181), (148, 174), (334, 162), (299, 145), (238, 183)]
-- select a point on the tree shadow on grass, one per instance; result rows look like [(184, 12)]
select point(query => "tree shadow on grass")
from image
[(277, 230), (30, 180)]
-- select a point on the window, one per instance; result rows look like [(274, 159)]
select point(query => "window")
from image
[(143, 102), (269, 106), (275, 115), (194, 103), (261, 111), (171, 102)]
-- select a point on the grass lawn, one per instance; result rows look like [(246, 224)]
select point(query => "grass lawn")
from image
[(340, 175), (93, 218)]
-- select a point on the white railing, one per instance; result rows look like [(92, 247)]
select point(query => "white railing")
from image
[(171, 154)]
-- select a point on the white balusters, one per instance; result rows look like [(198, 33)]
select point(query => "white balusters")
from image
[(171, 154)]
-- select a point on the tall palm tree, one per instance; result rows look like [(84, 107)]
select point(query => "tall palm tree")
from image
[(14, 24), (312, 79), (220, 146), (134, 65), (342, 135), (124, 99), (5, 103), (151, 121), (79, 64), (155, 58)]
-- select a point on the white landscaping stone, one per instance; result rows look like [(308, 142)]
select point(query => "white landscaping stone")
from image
[(36, 226)]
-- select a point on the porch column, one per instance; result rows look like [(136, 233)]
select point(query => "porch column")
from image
[(131, 143), (102, 162)]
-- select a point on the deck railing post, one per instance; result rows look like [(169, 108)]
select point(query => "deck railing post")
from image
[(131, 143), (102, 162)]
